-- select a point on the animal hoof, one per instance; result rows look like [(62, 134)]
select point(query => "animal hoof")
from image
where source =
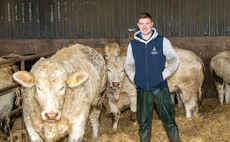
[(133, 117), (108, 114)]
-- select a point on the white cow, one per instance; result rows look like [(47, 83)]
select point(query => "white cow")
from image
[(186, 82), (220, 71), (120, 90), (62, 92), (6, 98)]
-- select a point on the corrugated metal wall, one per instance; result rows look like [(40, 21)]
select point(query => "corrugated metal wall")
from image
[(66, 19)]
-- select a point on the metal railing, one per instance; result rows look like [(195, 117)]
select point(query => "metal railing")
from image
[(22, 59)]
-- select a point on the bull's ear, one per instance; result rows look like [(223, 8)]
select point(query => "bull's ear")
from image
[(77, 78), (124, 50), (101, 51), (24, 78)]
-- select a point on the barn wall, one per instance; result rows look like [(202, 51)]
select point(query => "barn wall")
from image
[(71, 19)]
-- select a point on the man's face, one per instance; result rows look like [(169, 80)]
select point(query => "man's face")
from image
[(145, 25)]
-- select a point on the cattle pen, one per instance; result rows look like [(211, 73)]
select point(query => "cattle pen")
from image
[(22, 65), (40, 28), (209, 125)]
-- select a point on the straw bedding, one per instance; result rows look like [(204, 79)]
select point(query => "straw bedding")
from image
[(211, 125)]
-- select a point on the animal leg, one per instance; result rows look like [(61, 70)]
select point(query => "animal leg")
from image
[(200, 93), (115, 114), (77, 129), (227, 93), (189, 97), (133, 107), (94, 120), (106, 105), (180, 98), (34, 136), (220, 91), (191, 107), (173, 98)]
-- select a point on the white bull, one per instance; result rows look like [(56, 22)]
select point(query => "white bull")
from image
[(120, 90), (220, 71), (186, 82), (62, 92)]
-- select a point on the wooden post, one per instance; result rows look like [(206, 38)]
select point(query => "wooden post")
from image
[(22, 65)]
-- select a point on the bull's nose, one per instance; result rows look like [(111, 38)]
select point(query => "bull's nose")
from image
[(115, 84), (51, 116)]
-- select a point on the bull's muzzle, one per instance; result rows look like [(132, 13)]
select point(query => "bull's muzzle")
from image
[(115, 84), (52, 116)]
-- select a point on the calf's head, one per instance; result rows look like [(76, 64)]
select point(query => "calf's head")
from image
[(49, 80), (116, 71), (112, 49)]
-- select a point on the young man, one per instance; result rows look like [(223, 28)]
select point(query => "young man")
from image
[(145, 66)]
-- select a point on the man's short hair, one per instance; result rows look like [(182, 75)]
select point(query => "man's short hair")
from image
[(144, 15)]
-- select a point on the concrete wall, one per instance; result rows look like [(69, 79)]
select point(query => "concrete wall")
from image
[(204, 47)]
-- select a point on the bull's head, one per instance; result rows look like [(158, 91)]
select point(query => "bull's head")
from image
[(112, 49), (49, 80), (116, 71)]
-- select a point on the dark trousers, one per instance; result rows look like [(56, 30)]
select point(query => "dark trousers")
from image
[(145, 104)]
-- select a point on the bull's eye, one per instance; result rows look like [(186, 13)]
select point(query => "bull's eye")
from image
[(108, 69), (106, 57), (62, 88), (123, 70), (39, 88)]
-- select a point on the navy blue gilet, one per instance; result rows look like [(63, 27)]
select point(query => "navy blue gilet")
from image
[(149, 64)]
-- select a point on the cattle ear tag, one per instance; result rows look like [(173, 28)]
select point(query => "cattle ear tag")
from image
[(73, 81), (100, 52), (123, 53)]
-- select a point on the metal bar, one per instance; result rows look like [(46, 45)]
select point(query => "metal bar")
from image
[(22, 65), (22, 58), (8, 88), (11, 113), (26, 57)]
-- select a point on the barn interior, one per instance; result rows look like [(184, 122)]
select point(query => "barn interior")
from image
[(45, 26)]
